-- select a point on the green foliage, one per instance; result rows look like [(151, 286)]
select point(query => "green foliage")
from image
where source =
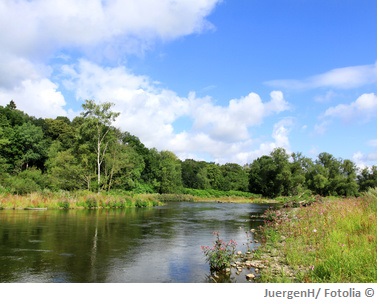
[(170, 173), (367, 178), (89, 153), (96, 126), (27, 181), (64, 205), (220, 255), (91, 202), (271, 175)]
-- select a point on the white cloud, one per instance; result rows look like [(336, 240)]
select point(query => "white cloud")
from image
[(362, 160), (232, 123), (361, 110), (280, 133), (33, 34), (219, 133), (340, 78), (39, 98), (41, 27)]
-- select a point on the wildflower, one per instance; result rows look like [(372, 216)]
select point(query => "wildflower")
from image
[(314, 230), (221, 254)]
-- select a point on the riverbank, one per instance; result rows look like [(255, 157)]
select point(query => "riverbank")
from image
[(332, 241), (125, 199), (119, 199), (76, 200)]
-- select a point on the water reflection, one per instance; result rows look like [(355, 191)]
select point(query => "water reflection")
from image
[(160, 244)]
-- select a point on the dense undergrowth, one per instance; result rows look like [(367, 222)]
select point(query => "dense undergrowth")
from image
[(331, 241)]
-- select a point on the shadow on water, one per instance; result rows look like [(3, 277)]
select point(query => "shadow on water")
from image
[(160, 244)]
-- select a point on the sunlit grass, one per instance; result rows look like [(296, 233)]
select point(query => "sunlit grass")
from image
[(76, 200), (335, 241)]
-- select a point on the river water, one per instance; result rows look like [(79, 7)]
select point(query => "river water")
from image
[(159, 244)]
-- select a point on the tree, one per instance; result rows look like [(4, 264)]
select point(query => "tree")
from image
[(367, 178), (348, 185), (60, 129), (234, 177), (282, 180), (194, 174), (64, 169), (29, 146), (151, 172), (97, 125), (123, 167), (170, 173), (299, 166), (262, 175), (214, 176)]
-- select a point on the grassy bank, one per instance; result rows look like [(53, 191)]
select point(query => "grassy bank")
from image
[(331, 241), (76, 200), (211, 195)]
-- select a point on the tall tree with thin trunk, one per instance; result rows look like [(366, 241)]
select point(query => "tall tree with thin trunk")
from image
[(98, 119)]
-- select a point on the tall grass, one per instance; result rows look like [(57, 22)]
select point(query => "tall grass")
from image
[(335, 241), (74, 200)]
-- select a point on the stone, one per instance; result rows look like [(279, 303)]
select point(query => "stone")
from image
[(250, 276)]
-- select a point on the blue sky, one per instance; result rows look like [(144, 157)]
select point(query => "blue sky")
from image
[(223, 81)]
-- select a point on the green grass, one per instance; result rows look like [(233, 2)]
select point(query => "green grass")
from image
[(334, 241), (77, 200)]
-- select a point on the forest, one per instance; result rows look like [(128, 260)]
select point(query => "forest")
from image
[(89, 153)]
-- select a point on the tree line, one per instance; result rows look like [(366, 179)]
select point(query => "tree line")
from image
[(90, 153)]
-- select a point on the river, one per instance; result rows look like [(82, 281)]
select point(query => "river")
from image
[(141, 245)]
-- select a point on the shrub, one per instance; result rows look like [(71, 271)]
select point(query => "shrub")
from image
[(91, 202), (140, 204), (64, 205)]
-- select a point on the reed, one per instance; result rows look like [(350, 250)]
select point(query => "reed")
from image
[(76, 200)]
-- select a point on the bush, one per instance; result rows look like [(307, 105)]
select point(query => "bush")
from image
[(91, 202), (64, 205), (141, 204), (22, 186)]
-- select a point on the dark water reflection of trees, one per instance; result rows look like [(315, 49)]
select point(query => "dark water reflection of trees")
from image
[(160, 244)]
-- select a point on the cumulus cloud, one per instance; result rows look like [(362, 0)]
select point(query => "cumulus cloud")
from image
[(340, 78), (39, 98), (231, 123), (33, 34), (361, 110), (219, 132), (250, 150), (43, 26)]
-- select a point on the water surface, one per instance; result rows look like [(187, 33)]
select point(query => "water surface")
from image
[(160, 244)]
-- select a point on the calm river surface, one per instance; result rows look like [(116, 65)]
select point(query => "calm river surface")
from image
[(160, 244)]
